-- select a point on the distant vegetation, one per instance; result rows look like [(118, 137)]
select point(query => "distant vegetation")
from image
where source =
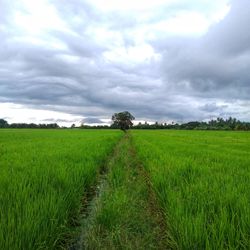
[(217, 124), (5, 124)]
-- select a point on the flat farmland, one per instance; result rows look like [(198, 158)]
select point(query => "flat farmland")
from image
[(202, 180), (162, 189), (43, 176)]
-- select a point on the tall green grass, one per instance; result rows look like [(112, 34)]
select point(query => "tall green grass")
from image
[(43, 175), (122, 215), (202, 180)]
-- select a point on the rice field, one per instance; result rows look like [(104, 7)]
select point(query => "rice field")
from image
[(43, 176), (199, 181), (202, 180)]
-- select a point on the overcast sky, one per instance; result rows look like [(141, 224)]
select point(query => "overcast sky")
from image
[(66, 61)]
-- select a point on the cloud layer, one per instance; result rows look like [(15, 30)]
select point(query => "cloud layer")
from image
[(161, 60)]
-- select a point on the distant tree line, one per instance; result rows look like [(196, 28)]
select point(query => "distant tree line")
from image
[(93, 127), (215, 124), (5, 124)]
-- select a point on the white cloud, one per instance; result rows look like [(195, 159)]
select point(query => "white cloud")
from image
[(16, 113), (132, 54), (139, 5), (35, 17)]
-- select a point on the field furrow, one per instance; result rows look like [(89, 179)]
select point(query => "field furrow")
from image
[(125, 215)]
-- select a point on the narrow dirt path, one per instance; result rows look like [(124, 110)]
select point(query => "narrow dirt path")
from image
[(124, 213)]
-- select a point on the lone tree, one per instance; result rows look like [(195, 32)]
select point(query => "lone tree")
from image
[(122, 120), (3, 123)]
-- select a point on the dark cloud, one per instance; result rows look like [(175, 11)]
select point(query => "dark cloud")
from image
[(214, 65), (68, 68), (53, 120), (92, 120), (212, 107)]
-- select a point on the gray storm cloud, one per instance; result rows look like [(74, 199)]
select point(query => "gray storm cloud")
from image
[(215, 65), (92, 120), (72, 68)]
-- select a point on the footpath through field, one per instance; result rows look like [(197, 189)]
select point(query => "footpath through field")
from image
[(124, 214)]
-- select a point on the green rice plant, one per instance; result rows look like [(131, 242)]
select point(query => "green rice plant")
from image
[(202, 180), (43, 176), (122, 214)]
